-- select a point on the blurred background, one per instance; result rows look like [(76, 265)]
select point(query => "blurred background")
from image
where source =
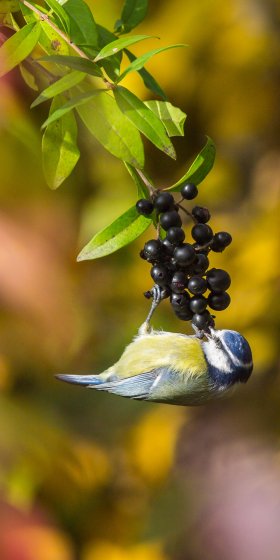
[(87, 476)]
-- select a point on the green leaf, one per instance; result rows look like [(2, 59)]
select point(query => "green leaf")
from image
[(120, 44), (139, 62), (147, 78), (133, 12), (200, 167), (142, 189), (18, 47), (144, 119), (69, 105), (112, 129), (28, 77), (8, 6), (122, 231), (61, 14), (61, 85), (111, 65), (76, 63), (59, 147), (83, 28), (172, 117), (51, 42)]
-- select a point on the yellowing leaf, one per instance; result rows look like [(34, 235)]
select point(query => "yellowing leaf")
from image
[(18, 47)]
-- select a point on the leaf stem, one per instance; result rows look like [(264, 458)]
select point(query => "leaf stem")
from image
[(146, 181)]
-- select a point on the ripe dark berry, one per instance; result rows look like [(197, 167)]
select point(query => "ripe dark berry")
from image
[(220, 241), (180, 301), (184, 255), (152, 250), (168, 247), (175, 235), (170, 219), (202, 233), (201, 214), (163, 202), (144, 206), (189, 191), (178, 282), (198, 304), (183, 314), (202, 320), (197, 285), (160, 275), (218, 280), (219, 302), (201, 264)]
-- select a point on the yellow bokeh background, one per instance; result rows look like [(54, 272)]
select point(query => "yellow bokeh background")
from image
[(90, 476)]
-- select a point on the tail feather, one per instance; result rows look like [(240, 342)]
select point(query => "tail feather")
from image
[(87, 380)]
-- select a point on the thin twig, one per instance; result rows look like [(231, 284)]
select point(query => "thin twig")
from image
[(146, 181), (187, 212), (45, 17)]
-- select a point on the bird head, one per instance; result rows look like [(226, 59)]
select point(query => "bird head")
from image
[(229, 357)]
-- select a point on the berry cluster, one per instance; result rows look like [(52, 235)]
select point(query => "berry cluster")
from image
[(181, 269)]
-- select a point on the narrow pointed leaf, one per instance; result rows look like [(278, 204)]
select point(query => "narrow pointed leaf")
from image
[(61, 85), (120, 44), (133, 12), (144, 119), (59, 148), (121, 232), (51, 42), (69, 105), (142, 189), (172, 117), (139, 62), (28, 77), (83, 28), (76, 63), (147, 78), (200, 167), (112, 129), (62, 16), (112, 64), (18, 47)]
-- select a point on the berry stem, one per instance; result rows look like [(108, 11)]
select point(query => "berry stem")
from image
[(146, 181), (186, 211)]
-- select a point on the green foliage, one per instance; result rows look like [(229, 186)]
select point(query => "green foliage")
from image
[(125, 229), (133, 13), (83, 60), (59, 147)]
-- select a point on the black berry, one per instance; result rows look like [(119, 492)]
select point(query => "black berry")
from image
[(220, 241), (152, 250), (163, 202), (175, 235), (197, 285), (170, 219), (183, 314), (184, 255), (168, 247), (178, 282), (202, 233), (201, 214), (180, 301), (160, 275), (189, 191), (218, 280), (202, 320), (219, 302), (201, 264), (144, 206), (198, 304)]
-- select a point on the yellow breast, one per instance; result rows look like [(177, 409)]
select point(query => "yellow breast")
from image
[(158, 349)]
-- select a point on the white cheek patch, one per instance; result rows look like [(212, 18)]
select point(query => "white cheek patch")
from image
[(216, 356)]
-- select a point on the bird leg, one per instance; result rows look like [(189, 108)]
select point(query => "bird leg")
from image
[(156, 293)]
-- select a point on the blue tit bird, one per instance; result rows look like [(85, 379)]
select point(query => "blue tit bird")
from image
[(174, 368)]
